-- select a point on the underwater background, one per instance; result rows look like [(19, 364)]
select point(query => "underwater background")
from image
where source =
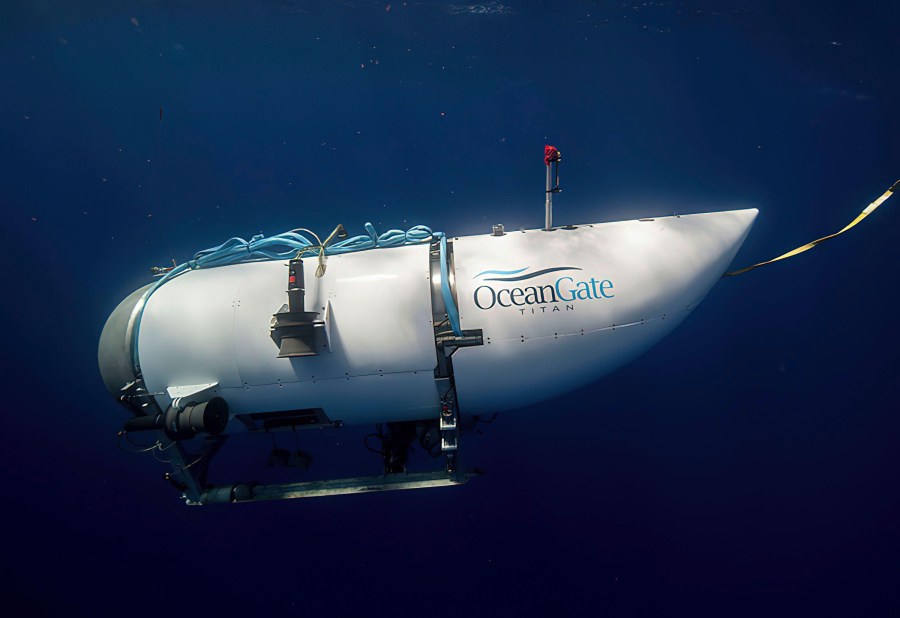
[(746, 465)]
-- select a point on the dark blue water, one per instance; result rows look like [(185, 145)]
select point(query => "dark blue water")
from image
[(747, 465)]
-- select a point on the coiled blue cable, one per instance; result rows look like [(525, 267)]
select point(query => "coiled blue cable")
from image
[(286, 246)]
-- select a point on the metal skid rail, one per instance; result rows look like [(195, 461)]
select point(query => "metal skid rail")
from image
[(220, 494)]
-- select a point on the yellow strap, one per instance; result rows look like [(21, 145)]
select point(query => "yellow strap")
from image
[(868, 210)]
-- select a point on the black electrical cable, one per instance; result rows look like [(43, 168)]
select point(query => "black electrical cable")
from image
[(380, 435)]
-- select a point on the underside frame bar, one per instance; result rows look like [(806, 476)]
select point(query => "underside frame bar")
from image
[(218, 494)]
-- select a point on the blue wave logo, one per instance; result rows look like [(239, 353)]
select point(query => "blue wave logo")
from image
[(510, 275)]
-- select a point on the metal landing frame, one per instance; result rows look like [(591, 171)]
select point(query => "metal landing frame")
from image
[(189, 470)]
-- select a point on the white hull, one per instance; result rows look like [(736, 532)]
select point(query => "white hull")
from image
[(611, 291)]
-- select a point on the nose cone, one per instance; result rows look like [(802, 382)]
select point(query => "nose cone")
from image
[(560, 309), (718, 235), (685, 256)]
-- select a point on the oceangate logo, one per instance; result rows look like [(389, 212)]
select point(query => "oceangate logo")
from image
[(566, 290)]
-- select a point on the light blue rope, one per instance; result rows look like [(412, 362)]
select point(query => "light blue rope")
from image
[(286, 246)]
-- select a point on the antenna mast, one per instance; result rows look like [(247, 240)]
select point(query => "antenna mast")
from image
[(552, 158)]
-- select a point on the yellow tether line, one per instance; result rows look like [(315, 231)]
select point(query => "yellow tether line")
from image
[(868, 210)]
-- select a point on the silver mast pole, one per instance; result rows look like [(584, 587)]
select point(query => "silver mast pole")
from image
[(548, 205)]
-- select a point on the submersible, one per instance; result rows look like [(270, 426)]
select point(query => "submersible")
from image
[(414, 331)]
